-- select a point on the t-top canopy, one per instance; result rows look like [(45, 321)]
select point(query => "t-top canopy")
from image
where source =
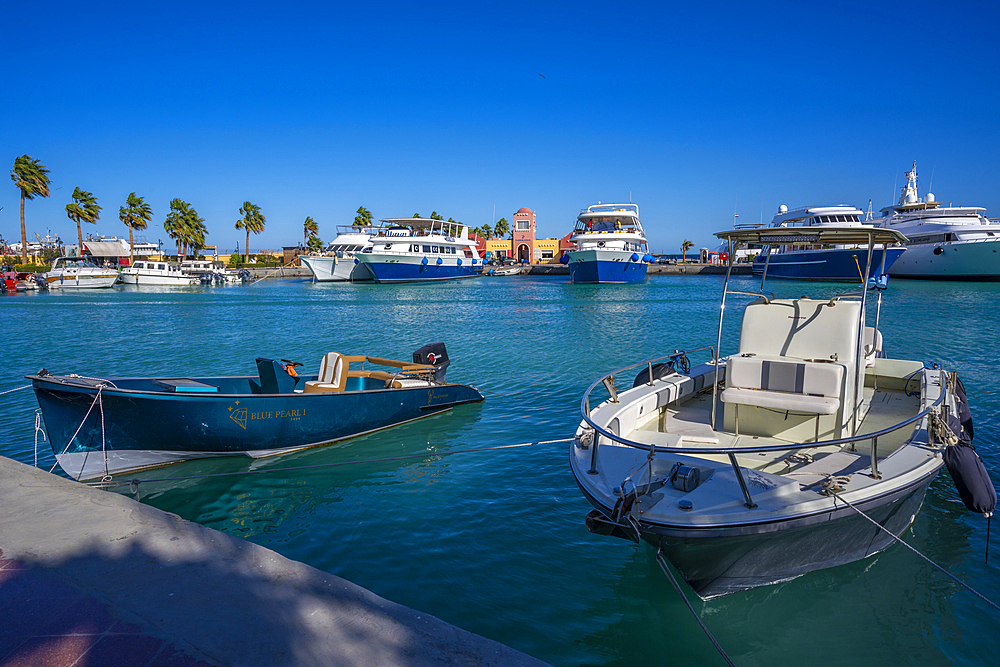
[(817, 234)]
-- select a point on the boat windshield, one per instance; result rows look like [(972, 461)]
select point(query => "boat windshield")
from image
[(75, 263), (421, 227)]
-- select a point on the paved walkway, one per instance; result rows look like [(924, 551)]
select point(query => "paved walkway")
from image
[(90, 578)]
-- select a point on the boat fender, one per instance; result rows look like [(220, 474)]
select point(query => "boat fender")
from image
[(938, 250), (424, 261), (475, 261), (649, 259), (440, 261), (356, 261), (634, 257), (564, 259), (964, 464), (460, 261)]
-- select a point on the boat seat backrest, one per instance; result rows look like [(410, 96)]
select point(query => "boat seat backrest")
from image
[(802, 328), (873, 345), (784, 384), (333, 370)]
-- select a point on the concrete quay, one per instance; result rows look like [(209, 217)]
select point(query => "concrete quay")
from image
[(91, 578)]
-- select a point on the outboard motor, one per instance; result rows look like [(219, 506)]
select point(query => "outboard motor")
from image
[(435, 355)]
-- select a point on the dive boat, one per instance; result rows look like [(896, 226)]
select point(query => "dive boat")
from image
[(408, 250), (810, 260), (337, 261), (611, 245), (942, 242), (106, 426), (753, 469), (79, 273), (148, 272)]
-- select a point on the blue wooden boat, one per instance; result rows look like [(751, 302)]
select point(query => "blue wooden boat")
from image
[(99, 427)]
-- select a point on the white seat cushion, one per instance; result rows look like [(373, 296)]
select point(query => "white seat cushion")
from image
[(777, 400)]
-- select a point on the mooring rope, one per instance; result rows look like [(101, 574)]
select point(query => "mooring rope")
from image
[(66, 448), (38, 427), (951, 576), (11, 391), (136, 482), (677, 587)]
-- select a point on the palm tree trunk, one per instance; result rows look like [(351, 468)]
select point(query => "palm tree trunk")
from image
[(131, 259), (24, 236), (246, 253), (79, 237)]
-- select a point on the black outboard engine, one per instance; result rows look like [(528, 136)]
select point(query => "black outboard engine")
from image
[(435, 355)]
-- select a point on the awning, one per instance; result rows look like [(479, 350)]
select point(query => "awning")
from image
[(105, 249)]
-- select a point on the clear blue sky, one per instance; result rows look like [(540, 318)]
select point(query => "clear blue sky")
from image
[(316, 109)]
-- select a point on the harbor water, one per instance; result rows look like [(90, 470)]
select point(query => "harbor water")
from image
[(494, 541)]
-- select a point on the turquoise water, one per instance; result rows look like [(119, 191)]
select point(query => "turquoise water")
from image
[(494, 542)]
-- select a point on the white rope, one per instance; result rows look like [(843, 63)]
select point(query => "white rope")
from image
[(66, 448), (898, 539), (11, 391), (38, 427)]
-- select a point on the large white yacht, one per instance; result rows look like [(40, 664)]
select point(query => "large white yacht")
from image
[(80, 273), (337, 261), (943, 242), (148, 272), (412, 250), (611, 245)]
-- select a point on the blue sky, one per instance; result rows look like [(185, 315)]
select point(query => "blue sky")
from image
[(316, 109)]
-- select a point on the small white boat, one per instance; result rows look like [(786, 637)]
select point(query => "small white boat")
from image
[(753, 469), (147, 272), (942, 242), (611, 245), (79, 273), (413, 250), (336, 263)]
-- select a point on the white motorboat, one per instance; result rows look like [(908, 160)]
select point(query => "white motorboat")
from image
[(336, 263), (943, 242), (79, 273), (753, 469), (413, 250), (611, 245), (148, 272)]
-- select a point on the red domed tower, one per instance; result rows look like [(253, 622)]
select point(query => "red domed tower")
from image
[(524, 235)]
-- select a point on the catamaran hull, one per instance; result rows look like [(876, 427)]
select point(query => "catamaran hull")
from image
[(835, 264), (136, 429), (605, 266), (717, 561), (333, 269)]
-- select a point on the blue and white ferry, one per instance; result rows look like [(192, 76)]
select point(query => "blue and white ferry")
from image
[(802, 257), (411, 250), (611, 246)]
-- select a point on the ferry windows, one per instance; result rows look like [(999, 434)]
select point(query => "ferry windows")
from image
[(468, 253), (427, 248), (435, 249), (450, 250)]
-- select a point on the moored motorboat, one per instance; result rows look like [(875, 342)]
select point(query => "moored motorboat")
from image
[(611, 245), (755, 468), (105, 426), (809, 260), (149, 272), (416, 250), (79, 273), (942, 242)]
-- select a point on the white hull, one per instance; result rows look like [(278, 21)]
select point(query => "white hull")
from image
[(81, 281), (957, 260), (150, 279), (330, 268)]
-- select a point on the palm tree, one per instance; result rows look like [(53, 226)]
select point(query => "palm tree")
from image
[(195, 233), (252, 221), (314, 244), (184, 226), (487, 231), (311, 230), (136, 214), (436, 216), (687, 245), (502, 227), (363, 218), (84, 208), (30, 177)]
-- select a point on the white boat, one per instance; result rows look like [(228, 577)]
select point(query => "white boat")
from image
[(79, 273), (147, 272), (816, 261), (611, 245), (752, 469), (943, 242), (419, 250), (337, 261)]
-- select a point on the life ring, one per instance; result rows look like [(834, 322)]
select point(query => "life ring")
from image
[(600, 244)]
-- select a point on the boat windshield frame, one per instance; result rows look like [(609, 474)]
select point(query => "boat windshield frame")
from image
[(424, 227)]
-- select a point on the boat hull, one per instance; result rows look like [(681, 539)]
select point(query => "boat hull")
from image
[(81, 281), (330, 268), (605, 266), (835, 264), (411, 269), (956, 260), (137, 429), (159, 280)]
